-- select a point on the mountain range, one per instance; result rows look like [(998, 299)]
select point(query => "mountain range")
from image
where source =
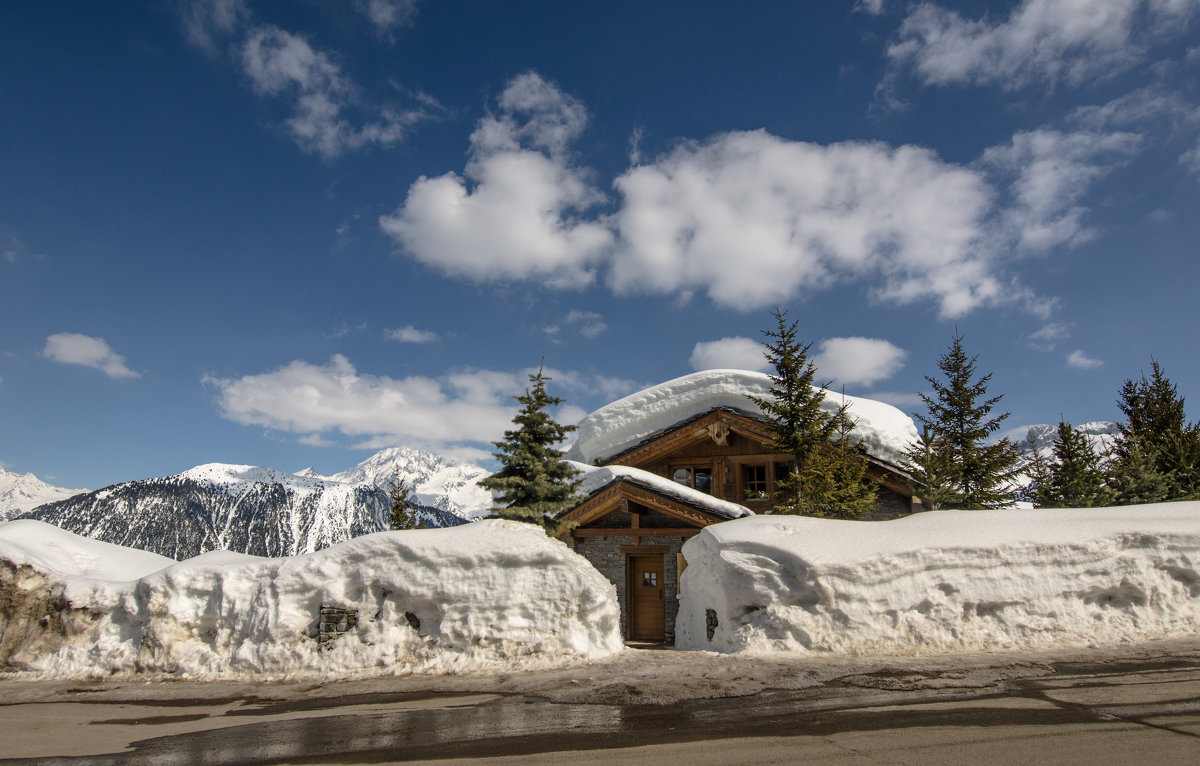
[(262, 511)]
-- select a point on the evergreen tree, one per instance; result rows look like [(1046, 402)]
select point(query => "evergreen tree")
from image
[(952, 465), (403, 512), (534, 483), (834, 479), (793, 412), (1075, 478), (1134, 477), (1155, 437)]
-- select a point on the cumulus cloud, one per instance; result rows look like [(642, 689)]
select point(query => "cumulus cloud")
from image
[(313, 401), (857, 360), (74, 348), (410, 334), (1052, 173), (456, 414), (736, 353), (1082, 361), (517, 212), (1040, 42), (753, 219)]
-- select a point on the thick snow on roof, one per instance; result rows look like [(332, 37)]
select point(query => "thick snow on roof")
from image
[(494, 594), (885, 431), (597, 478), (944, 580)]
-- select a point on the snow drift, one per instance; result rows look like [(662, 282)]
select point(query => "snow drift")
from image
[(943, 580), (885, 431), (437, 600)]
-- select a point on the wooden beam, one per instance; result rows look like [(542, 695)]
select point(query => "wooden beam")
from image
[(643, 532)]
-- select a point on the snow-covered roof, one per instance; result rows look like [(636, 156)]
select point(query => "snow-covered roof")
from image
[(884, 430), (595, 479)]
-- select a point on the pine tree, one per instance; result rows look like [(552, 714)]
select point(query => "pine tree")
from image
[(1075, 478), (1134, 477), (793, 412), (1155, 437), (834, 479), (534, 483), (953, 466), (403, 511)]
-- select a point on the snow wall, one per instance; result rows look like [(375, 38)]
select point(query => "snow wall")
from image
[(943, 580), (440, 600)]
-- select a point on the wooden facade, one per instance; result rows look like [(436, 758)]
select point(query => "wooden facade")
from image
[(632, 531)]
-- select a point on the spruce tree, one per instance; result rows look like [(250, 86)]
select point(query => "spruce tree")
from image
[(793, 412), (834, 479), (1155, 437), (1075, 478), (403, 511), (534, 483), (953, 466)]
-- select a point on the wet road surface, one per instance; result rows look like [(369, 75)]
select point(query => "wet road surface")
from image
[(1145, 710)]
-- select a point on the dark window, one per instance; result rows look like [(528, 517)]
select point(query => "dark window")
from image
[(754, 482)]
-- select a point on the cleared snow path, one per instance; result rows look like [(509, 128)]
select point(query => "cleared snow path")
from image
[(487, 595), (943, 580)]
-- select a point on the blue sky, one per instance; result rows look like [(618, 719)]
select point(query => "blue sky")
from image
[(288, 234)]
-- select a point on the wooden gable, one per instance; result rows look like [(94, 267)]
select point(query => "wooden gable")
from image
[(627, 502)]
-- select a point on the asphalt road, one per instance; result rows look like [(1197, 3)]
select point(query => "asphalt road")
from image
[(1134, 705)]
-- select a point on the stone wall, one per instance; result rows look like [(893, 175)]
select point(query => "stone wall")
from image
[(889, 505), (608, 556)]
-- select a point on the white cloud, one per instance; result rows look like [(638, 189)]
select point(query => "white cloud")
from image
[(588, 323), (206, 20), (457, 414), (515, 214), (410, 334), (1082, 361), (858, 360), (873, 7), (279, 63), (388, 15), (1048, 335), (1040, 42), (1053, 171), (754, 220), (315, 400), (736, 353), (73, 348)]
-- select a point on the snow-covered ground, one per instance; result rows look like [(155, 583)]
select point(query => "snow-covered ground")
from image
[(943, 580), (489, 594), (884, 430)]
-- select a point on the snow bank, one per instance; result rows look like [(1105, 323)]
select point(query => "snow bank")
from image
[(489, 594), (597, 478), (943, 580), (885, 431)]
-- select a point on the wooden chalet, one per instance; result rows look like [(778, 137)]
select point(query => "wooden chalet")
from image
[(718, 466)]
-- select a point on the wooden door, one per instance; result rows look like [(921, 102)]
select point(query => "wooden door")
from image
[(647, 602)]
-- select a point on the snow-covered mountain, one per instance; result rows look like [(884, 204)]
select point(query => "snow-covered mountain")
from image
[(250, 509), (1101, 434), (439, 483), (22, 492)]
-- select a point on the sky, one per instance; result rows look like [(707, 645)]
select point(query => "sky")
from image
[(291, 234)]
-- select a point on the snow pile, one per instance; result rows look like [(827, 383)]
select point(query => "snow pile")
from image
[(595, 479), (943, 580), (886, 432), (489, 594)]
